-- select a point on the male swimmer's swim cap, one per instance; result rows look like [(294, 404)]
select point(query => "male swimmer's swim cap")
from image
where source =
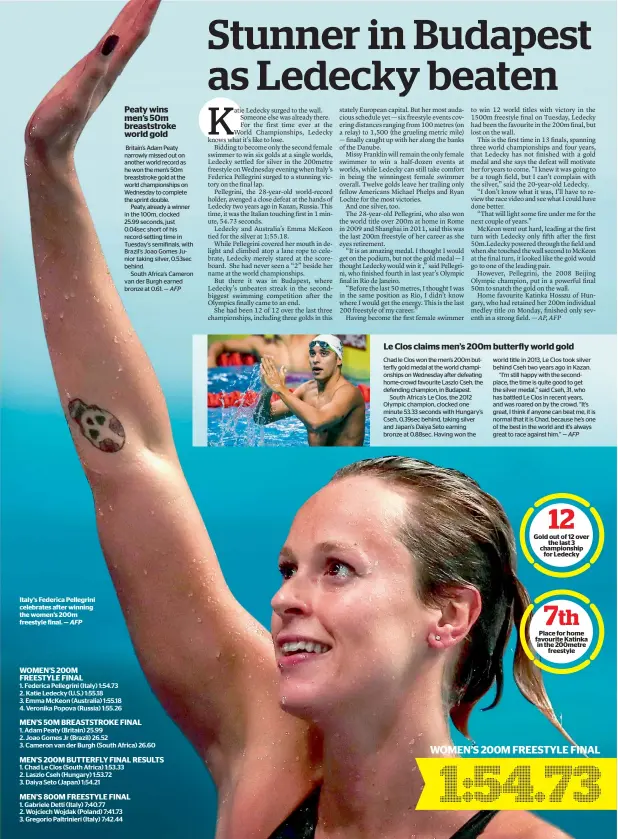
[(331, 341)]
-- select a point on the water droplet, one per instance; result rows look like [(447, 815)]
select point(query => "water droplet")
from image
[(116, 339), (61, 315), (145, 572), (66, 296), (199, 620)]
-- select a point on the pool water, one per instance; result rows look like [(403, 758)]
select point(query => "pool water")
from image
[(235, 426)]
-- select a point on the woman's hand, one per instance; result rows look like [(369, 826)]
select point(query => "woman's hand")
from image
[(55, 126), (272, 378)]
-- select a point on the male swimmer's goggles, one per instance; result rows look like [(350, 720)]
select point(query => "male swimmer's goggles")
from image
[(322, 344)]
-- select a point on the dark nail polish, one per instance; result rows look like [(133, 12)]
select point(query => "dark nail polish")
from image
[(109, 44)]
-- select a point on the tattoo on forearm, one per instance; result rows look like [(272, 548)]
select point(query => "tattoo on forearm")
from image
[(98, 426)]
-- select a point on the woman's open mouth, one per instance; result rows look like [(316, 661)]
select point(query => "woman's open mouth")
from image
[(297, 651), (291, 647)]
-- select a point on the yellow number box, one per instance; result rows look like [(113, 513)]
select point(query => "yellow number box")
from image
[(512, 784)]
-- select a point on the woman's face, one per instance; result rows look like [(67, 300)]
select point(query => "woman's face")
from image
[(348, 626)]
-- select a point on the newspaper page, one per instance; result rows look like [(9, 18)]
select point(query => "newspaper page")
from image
[(309, 419)]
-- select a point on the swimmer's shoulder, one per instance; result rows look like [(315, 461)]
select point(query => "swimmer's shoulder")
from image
[(355, 394), (353, 401), (520, 824)]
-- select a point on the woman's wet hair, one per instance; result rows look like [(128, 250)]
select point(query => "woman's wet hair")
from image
[(459, 537)]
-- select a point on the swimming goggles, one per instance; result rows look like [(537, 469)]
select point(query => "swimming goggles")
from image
[(324, 345)]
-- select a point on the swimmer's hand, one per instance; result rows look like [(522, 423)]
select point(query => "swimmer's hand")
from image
[(55, 126), (271, 377)]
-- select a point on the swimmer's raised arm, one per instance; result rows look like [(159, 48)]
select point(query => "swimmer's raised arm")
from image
[(95, 355), (209, 662)]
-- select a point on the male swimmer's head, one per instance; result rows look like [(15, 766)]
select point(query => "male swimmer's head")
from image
[(399, 588), (325, 356)]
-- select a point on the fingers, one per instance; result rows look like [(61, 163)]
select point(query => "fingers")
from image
[(120, 43), (95, 69), (64, 108), (61, 116), (144, 17), (135, 15), (131, 28), (268, 371)]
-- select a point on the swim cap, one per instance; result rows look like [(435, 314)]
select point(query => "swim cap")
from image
[(331, 341)]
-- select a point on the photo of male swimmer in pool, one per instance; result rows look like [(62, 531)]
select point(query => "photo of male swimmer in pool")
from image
[(289, 351), (398, 586), (331, 407)]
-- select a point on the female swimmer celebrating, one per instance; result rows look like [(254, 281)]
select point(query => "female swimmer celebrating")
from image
[(398, 592)]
